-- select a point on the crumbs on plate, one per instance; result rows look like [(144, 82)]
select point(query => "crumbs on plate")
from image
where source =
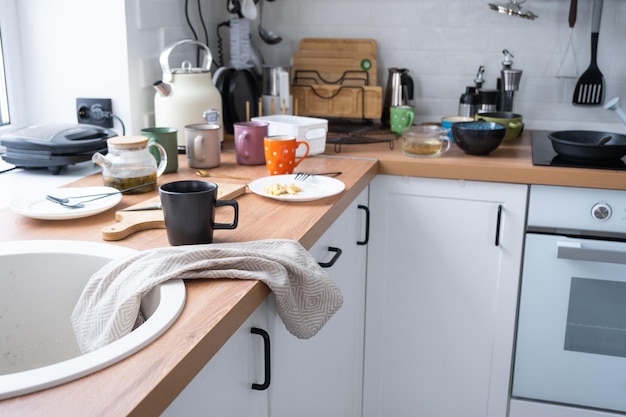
[(280, 189)]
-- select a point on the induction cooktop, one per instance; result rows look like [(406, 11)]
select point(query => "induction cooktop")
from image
[(545, 155)]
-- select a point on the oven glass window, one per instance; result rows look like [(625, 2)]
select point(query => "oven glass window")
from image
[(596, 317)]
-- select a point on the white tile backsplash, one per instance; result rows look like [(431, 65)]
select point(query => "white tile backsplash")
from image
[(444, 42), (441, 42)]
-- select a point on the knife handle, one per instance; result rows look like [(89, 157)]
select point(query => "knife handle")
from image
[(573, 8)]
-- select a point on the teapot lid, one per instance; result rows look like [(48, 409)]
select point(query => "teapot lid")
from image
[(164, 60), (128, 141), (186, 68)]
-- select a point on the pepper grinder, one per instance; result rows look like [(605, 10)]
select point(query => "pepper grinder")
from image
[(469, 102), (508, 82)]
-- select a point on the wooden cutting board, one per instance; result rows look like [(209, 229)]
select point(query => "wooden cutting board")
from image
[(354, 68), (350, 102), (331, 57), (338, 44), (129, 222)]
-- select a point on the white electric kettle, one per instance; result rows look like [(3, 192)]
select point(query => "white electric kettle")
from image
[(184, 94)]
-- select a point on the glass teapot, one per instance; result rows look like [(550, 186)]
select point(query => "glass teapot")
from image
[(129, 164)]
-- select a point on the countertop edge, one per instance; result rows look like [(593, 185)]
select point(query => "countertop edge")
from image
[(508, 165), (162, 376)]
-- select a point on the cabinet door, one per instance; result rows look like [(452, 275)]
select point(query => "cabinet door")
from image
[(322, 376), (224, 386), (443, 272)]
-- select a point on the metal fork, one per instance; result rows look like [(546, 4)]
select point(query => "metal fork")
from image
[(303, 176), (80, 204), (65, 201)]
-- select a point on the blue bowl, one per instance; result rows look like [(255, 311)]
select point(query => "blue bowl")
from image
[(478, 138)]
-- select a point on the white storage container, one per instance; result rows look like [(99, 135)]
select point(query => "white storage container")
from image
[(311, 129)]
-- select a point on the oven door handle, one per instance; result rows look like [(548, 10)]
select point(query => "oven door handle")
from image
[(575, 252)]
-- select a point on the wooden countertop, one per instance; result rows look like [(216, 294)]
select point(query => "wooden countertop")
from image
[(145, 383), (509, 163)]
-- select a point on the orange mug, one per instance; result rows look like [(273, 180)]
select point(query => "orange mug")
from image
[(280, 153)]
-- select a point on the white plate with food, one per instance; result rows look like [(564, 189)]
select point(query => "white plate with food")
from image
[(38, 207), (286, 188)]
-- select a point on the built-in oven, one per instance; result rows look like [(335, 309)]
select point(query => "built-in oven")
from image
[(570, 355)]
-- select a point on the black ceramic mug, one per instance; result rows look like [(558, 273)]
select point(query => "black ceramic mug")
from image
[(189, 211)]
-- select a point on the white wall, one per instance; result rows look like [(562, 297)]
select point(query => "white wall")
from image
[(72, 49), (442, 42)]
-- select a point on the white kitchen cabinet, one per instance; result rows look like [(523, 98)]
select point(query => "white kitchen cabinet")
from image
[(442, 281), (322, 376), (224, 386), (313, 377)]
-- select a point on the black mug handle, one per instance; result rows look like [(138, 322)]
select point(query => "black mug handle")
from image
[(235, 206)]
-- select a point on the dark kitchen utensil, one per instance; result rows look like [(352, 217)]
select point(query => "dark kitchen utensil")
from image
[(243, 97), (234, 7), (586, 146), (240, 92), (266, 35), (573, 9), (589, 90)]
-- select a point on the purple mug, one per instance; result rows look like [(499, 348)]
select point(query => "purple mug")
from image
[(249, 138)]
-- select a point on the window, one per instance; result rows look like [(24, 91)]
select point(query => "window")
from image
[(12, 113), (4, 98)]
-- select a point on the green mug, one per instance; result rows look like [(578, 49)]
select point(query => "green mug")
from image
[(166, 137), (401, 118)]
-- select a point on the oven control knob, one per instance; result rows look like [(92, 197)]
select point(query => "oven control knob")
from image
[(601, 211)]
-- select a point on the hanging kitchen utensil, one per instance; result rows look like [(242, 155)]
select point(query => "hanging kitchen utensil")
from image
[(239, 43), (513, 8), (267, 36), (248, 9), (568, 68), (589, 89), (234, 7)]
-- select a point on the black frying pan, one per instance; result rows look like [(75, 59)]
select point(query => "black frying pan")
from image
[(237, 88), (583, 145), (243, 95)]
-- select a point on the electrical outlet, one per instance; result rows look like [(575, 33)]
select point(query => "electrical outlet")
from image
[(95, 111)]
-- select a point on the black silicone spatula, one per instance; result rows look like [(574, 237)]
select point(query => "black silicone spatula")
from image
[(590, 86)]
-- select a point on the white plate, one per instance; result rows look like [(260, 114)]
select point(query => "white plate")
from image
[(313, 188), (37, 207)]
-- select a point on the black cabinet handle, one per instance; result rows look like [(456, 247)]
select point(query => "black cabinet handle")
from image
[(367, 225), (266, 353), (333, 260), (498, 221)]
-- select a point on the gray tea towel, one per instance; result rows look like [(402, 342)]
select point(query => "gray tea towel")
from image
[(306, 297)]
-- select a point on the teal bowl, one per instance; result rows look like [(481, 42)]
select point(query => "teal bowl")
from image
[(478, 138)]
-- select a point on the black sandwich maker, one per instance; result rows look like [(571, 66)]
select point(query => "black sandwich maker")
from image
[(54, 145)]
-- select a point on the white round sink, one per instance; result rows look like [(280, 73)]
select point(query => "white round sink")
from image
[(40, 283)]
